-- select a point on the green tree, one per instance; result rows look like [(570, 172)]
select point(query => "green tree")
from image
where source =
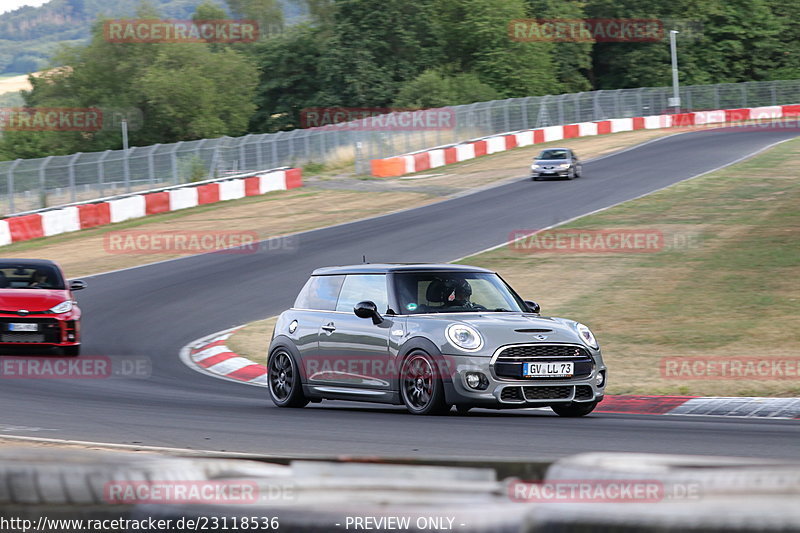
[(476, 39), (738, 42), (211, 96), (572, 60), (289, 80), (432, 88), (268, 14), (184, 92), (321, 12), (208, 10), (787, 51), (376, 46)]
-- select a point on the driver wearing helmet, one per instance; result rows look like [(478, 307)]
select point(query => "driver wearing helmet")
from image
[(457, 293)]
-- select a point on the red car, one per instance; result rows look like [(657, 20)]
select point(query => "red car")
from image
[(37, 307)]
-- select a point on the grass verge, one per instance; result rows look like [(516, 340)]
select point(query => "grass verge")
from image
[(252, 340), (724, 284)]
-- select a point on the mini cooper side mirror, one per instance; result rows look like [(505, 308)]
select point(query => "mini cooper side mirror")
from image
[(77, 284), (368, 309), (533, 306)]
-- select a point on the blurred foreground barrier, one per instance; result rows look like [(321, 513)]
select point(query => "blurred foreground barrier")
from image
[(691, 493), (139, 492)]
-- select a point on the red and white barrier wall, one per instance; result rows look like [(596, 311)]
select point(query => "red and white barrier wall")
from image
[(428, 159), (89, 215)]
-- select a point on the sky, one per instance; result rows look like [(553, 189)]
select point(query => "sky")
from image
[(10, 5)]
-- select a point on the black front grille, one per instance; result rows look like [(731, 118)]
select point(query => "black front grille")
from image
[(47, 331), (510, 360), (548, 393), (583, 393), (29, 338), (542, 350), (511, 394)]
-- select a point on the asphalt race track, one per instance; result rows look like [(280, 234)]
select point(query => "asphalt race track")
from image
[(155, 310)]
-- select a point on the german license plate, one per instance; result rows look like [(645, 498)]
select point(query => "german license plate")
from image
[(548, 369), (23, 327)]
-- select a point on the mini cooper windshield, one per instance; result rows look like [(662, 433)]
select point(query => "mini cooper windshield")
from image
[(453, 292)]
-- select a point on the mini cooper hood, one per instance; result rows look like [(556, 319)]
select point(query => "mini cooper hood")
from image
[(31, 299), (550, 161), (501, 328)]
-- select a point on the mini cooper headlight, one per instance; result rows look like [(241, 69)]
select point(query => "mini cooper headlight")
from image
[(464, 337), (586, 335), (63, 307)]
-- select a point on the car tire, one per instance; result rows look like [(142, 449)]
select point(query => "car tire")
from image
[(71, 351), (574, 409), (421, 387), (579, 172), (283, 380), (571, 174)]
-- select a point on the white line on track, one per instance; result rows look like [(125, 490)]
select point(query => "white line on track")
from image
[(739, 160)]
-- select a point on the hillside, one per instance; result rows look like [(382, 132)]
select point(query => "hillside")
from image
[(30, 35)]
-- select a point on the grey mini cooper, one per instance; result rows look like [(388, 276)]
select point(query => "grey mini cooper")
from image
[(429, 337)]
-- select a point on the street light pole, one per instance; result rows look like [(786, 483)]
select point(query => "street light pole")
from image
[(675, 101), (126, 168)]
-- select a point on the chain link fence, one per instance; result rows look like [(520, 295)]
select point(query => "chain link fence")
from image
[(29, 184)]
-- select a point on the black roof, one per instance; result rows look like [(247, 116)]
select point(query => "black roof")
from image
[(16, 261), (383, 268)]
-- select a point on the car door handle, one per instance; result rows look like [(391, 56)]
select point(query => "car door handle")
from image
[(330, 328)]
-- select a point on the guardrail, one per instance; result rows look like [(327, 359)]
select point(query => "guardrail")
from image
[(109, 210), (28, 184), (445, 155)]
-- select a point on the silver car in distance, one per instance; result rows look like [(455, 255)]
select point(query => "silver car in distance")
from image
[(429, 337), (556, 163)]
